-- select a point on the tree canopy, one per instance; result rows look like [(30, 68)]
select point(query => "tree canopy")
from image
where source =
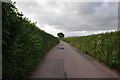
[(60, 35)]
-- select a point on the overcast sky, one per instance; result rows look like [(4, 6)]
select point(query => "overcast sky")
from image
[(71, 18)]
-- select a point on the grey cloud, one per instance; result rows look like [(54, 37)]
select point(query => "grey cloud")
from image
[(118, 16), (73, 16)]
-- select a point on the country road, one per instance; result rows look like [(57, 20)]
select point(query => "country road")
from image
[(64, 61)]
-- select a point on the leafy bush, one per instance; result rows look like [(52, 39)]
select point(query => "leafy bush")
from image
[(23, 44), (103, 47)]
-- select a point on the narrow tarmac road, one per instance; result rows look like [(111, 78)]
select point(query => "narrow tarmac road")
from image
[(64, 61)]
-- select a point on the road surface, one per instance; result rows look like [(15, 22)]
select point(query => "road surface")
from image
[(64, 61)]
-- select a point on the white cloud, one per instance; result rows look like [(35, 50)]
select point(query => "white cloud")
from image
[(50, 30)]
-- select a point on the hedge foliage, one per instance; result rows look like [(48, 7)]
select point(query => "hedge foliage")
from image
[(104, 47), (23, 43)]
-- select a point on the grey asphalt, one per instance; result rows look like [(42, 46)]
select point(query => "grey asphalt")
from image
[(64, 61)]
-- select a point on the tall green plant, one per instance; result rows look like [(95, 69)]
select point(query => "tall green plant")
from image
[(104, 47), (23, 43)]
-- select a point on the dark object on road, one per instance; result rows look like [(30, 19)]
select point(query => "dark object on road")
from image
[(61, 47)]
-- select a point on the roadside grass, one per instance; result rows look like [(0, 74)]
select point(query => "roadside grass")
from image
[(104, 47)]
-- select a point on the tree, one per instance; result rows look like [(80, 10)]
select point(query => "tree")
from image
[(60, 35)]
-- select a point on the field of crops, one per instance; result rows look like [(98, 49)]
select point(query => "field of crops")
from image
[(104, 47), (23, 44)]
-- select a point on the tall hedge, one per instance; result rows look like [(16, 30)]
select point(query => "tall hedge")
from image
[(23, 43), (104, 47)]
